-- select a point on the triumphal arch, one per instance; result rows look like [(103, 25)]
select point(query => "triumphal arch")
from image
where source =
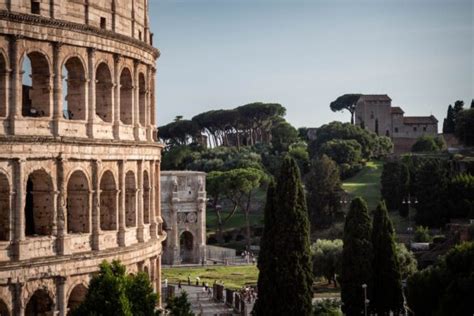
[(79, 161)]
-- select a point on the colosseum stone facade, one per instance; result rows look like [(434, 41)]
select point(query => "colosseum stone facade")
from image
[(79, 161)]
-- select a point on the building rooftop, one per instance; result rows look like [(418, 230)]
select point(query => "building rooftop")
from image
[(396, 110), (375, 97), (420, 120)]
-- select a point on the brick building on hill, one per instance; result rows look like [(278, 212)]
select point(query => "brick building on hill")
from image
[(376, 113)]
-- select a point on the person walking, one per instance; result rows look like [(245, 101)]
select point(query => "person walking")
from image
[(189, 279), (179, 285)]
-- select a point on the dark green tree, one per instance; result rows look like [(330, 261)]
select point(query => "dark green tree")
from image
[(445, 288), (461, 196), (342, 151), (357, 257), (324, 189), (113, 293), (327, 259), (449, 124), (395, 185), (387, 283), (426, 144), (464, 127), (283, 135), (288, 286), (431, 188), (346, 102), (179, 305)]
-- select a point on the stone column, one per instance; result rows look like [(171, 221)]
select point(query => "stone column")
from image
[(153, 105), (57, 88), (15, 94), (121, 203), (96, 205), (135, 103), (148, 126), (6, 80), (92, 83), (63, 244), (153, 181), (61, 299), (139, 201), (116, 117), (201, 207), (158, 280), (18, 303), (86, 13), (114, 16), (19, 208), (153, 272)]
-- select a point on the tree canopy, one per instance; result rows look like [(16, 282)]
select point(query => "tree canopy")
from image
[(346, 102)]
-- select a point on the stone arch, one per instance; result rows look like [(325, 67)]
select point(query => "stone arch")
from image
[(4, 207), (74, 89), (130, 200), (146, 197), (146, 270), (3, 85), (103, 93), (78, 211), (39, 204), (186, 246), (142, 99), (108, 201), (40, 304), (126, 97), (36, 85), (4, 310), (76, 297)]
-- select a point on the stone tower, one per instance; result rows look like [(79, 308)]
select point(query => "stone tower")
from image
[(79, 162)]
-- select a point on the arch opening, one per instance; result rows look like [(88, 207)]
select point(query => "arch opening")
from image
[(146, 198), (108, 202), (103, 93), (74, 90), (40, 304), (77, 296), (39, 206), (78, 204), (126, 97), (130, 200), (142, 99), (186, 246), (36, 86), (3, 86), (4, 309), (4, 208)]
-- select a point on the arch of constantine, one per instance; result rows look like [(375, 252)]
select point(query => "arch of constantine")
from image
[(79, 161)]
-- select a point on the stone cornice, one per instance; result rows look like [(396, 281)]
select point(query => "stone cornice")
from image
[(88, 29)]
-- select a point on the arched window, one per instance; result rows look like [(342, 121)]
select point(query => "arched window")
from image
[(39, 206), (108, 202), (142, 99), (74, 90), (36, 89), (39, 304), (151, 105), (186, 245), (146, 198), (78, 204), (130, 200), (3, 86), (4, 208), (4, 309), (77, 296), (126, 97), (103, 93)]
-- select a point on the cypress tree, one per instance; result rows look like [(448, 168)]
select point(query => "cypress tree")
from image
[(285, 280), (356, 258), (387, 283)]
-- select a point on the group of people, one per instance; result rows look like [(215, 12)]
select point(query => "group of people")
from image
[(248, 294), (249, 257)]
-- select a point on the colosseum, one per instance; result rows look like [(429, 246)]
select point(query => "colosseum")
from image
[(79, 160)]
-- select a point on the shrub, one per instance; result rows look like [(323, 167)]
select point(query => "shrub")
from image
[(422, 234)]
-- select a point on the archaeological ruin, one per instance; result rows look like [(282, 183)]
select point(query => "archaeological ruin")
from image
[(79, 161), (183, 205)]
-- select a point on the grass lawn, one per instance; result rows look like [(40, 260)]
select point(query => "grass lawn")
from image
[(235, 222), (366, 183), (234, 277)]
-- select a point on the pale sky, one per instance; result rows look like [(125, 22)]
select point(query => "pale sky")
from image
[(305, 53)]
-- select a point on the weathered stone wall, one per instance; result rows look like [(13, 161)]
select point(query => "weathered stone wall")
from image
[(79, 164), (183, 205)]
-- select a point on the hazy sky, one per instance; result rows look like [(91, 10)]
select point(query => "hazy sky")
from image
[(304, 54)]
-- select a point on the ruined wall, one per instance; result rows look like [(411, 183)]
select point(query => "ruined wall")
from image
[(79, 165)]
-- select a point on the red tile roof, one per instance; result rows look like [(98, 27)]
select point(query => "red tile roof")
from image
[(420, 120), (396, 110), (375, 97)]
